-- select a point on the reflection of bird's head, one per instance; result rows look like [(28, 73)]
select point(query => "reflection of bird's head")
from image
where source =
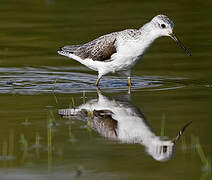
[(161, 150)]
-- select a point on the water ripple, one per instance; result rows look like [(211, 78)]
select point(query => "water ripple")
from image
[(29, 80)]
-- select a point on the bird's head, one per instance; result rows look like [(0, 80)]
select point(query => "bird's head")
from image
[(163, 26)]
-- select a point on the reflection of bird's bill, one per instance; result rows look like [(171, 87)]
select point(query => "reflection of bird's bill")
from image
[(181, 132), (180, 44)]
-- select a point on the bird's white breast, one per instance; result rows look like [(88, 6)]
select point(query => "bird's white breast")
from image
[(128, 53)]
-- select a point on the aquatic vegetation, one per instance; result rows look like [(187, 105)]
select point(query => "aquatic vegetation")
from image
[(7, 150), (196, 148), (26, 122), (84, 97), (4, 154), (37, 146), (24, 147), (11, 144), (71, 135), (78, 171), (184, 146), (51, 120), (4, 149), (49, 141), (206, 161), (162, 130), (73, 102)]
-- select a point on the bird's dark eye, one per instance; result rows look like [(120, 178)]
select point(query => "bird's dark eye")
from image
[(164, 149), (163, 25)]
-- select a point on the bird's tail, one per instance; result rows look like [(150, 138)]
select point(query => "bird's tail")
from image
[(69, 51)]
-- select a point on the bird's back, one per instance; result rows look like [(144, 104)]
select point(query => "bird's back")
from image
[(102, 48), (99, 49)]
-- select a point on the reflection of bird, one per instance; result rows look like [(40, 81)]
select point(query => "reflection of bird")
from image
[(120, 51), (119, 119)]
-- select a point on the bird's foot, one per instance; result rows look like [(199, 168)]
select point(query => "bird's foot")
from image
[(129, 82)]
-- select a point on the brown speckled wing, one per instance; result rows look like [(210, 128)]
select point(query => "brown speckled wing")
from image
[(100, 49)]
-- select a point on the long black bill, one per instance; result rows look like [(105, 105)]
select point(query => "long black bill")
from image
[(180, 44), (181, 132)]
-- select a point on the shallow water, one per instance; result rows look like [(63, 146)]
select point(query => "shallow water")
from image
[(28, 80), (169, 90)]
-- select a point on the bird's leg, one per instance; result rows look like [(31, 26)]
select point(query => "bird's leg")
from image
[(127, 73), (97, 81), (129, 82)]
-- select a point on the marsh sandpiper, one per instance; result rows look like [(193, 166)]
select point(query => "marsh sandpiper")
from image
[(120, 51)]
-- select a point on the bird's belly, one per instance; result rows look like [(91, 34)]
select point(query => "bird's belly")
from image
[(127, 56), (118, 62), (94, 65), (122, 63)]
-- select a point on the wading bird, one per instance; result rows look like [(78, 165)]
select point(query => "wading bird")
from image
[(120, 51)]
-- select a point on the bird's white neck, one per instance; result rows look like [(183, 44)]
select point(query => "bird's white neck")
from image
[(149, 34), (149, 31)]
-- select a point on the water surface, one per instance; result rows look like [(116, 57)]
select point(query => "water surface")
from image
[(169, 88)]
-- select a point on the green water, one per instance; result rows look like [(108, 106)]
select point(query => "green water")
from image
[(169, 88)]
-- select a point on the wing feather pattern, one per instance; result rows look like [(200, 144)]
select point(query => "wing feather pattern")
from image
[(100, 49)]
